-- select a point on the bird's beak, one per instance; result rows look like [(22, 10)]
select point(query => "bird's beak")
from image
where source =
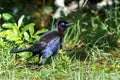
[(69, 24)]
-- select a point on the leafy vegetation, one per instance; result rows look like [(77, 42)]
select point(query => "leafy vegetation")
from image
[(90, 50), (18, 32)]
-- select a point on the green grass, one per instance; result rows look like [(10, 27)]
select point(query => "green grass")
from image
[(90, 52), (104, 67)]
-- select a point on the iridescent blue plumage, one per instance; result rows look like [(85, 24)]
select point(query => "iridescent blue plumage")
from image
[(51, 48)]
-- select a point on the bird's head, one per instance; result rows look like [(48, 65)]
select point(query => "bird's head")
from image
[(61, 25)]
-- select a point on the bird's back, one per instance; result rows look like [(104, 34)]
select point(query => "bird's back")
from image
[(49, 36)]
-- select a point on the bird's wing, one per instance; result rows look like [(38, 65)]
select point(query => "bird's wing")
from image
[(44, 40), (49, 36), (38, 46), (51, 48)]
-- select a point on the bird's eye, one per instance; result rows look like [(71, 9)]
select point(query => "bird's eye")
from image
[(63, 24)]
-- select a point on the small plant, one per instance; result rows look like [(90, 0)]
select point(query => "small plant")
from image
[(18, 32)]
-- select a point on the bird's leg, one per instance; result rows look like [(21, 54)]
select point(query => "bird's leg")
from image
[(46, 53), (41, 61)]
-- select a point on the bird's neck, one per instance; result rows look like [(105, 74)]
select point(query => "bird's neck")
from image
[(61, 33)]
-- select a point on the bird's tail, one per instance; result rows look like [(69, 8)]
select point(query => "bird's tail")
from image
[(18, 50)]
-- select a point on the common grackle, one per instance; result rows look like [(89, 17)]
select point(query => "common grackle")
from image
[(49, 42)]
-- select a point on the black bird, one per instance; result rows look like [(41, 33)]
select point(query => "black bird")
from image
[(49, 42)]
